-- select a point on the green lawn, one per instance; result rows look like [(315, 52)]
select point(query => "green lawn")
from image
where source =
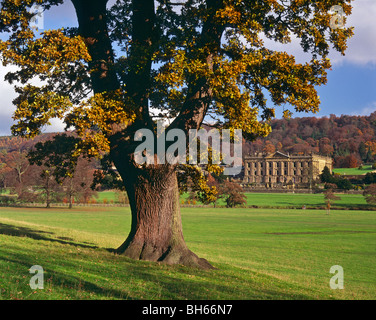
[(259, 254), (268, 200), (298, 200), (107, 196), (353, 171)]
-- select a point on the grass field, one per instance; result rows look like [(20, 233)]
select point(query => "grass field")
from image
[(274, 200), (259, 254), (280, 200), (298, 200), (353, 171)]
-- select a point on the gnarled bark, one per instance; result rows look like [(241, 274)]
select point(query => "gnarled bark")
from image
[(156, 231)]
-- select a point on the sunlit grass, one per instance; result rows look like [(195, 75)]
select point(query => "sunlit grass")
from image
[(259, 254)]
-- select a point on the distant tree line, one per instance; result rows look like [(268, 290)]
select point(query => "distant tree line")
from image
[(45, 170)]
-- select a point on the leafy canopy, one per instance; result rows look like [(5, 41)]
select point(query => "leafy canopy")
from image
[(183, 62)]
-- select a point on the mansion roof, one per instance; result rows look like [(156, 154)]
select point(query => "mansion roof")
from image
[(283, 156)]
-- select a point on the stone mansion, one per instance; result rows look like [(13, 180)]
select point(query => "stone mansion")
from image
[(279, 170)]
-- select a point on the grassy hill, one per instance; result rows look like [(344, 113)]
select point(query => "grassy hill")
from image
[(259, 254)]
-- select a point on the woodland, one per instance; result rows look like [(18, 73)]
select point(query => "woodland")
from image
[(350, 140)]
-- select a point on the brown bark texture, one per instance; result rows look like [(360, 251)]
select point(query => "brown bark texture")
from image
[(156, 230)]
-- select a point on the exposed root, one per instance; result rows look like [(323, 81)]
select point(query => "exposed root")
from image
[(173, 255)]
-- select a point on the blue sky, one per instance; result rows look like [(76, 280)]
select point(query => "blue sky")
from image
[(351, 87), (351, 90)]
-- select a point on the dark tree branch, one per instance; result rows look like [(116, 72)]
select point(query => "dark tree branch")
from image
[(93, 28), (144, 38), (199, 94)]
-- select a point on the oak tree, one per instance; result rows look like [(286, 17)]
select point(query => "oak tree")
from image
[(131, 63)]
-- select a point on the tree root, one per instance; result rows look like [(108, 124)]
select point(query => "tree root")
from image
[(173, 255)]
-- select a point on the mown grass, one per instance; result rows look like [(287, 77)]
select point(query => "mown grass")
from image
[(270, 200), (258, 253), (354, 171), (297, 200)]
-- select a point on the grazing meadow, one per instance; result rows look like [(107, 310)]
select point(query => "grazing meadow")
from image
[(259, 253)]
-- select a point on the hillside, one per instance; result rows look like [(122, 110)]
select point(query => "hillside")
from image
[(350, 140), (12, 143)]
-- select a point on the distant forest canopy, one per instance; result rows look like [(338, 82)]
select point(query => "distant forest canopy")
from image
[(350, 140), (12, 143)]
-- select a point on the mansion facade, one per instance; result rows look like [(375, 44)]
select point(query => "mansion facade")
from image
[(279, 170)]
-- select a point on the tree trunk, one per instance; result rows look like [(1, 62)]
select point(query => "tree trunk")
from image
[(48, 202), (156, 231), (47, 188)]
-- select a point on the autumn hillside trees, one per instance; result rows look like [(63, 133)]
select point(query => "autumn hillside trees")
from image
[(350, 140), (41, 172)]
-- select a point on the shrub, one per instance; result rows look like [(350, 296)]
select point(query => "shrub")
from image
[(343, 184), (8, 200), (370, 178), (234, 194), (122, 197), (326, 176), (330, 186), (369, 194)]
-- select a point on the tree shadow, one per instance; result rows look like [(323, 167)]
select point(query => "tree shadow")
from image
[(18, 231), (62, 280), (203, 284), (173, 282)]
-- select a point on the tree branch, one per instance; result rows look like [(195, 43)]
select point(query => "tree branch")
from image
[(144, 38), (93, 28), (199, 94)]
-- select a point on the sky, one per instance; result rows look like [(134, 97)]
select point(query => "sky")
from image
[(351, 87)]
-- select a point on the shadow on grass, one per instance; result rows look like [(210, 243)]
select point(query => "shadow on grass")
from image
[(17, 231), (69, 286), (157, 281), (150, 281), (176, 282)]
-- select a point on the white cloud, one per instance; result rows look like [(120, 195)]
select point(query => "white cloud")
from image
[(7, 94), (366, 111), (361, 47)]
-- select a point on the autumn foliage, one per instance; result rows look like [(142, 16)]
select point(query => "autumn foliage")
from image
[(131, 63), (350, 140)]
